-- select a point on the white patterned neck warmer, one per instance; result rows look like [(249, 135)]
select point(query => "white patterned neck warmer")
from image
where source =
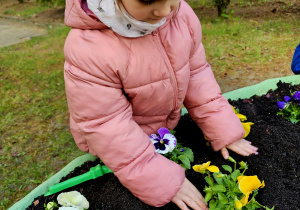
[(121, 22)]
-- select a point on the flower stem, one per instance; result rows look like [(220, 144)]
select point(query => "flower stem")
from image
[(261, 205), (244, 171), (210, 179)]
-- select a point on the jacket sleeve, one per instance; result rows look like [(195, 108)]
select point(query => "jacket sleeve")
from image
[(102, 124), (204, 100), (296, 61)]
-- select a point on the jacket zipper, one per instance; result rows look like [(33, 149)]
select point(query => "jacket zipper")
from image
[(171, 71)]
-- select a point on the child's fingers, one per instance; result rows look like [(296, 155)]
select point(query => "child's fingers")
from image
[(243, 147), (188, 195), (246, 145), (225, 153), (180, 204)]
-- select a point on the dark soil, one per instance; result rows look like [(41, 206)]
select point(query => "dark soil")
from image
[(277, 163)]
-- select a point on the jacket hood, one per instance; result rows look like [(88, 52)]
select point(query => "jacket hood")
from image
[(76, 17)]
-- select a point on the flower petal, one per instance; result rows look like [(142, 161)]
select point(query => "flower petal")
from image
[(247, 127), (238, 204), (262, 184), (242, 117), (245, 199), (213, 169), (287, 98), (73, 199), (248, 184), (163, 150), (204, 166), (172, 141), (154, 138), (296, 96), (281, 104), (240, 178), (197, 168), (162, 131)]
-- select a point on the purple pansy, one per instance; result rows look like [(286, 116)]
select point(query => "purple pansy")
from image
[(287, 98), (164, 142), (283, 104), (296, 96)]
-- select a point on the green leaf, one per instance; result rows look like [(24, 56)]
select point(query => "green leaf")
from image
[(188, 153), (209, 181), (172, 132), (212, 204), (227, 168), (235, 174), (222, 198), (208, 196), (219, 180), (218, 188), (220, 205), (186, 162), (228, 208), (255, 193)]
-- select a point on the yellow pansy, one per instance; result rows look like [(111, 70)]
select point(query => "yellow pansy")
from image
[(247, 127), (238, 204), (205, 166), (247, 184), (244, 199), (242, 117)]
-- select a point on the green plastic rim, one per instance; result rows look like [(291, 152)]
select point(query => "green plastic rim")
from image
[(246, 92), (43, 188)]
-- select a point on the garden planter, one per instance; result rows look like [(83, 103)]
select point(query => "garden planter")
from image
[(278, 161)]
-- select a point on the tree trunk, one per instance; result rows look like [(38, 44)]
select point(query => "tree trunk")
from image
[(222, 6)]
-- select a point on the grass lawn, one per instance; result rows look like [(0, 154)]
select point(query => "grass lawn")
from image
[(35, 141)]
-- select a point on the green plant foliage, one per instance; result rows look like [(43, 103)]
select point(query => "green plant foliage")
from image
[(291, 110), (181, 155), (229, 191)]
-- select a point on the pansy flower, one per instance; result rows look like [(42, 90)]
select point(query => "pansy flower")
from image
[(238, 204), (164, 142), (247, 184), (247, 128), (72, 200), (296, 96), (283, 104), (246, 125), (205, 166)]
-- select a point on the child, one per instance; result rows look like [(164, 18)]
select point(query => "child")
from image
[(130, 65), (296, 61)]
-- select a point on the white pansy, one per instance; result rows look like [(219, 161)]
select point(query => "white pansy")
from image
[(73, 199)]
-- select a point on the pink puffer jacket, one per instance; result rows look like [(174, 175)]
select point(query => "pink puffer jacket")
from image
[(120, 90)]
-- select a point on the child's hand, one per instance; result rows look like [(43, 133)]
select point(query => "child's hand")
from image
[(241, 147), (188, 195)]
